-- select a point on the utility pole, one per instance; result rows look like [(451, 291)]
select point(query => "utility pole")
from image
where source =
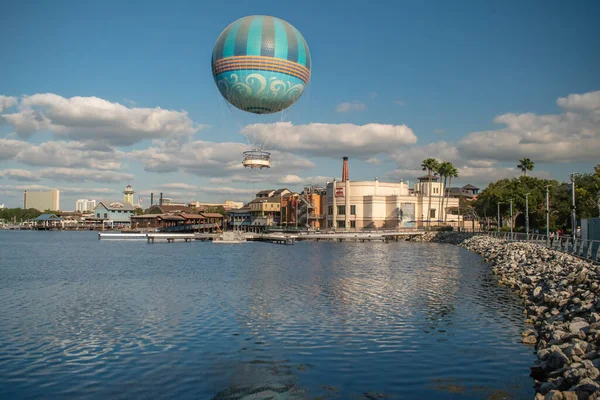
[(527, 215), (511, 219), (573, 215), (548, 213)]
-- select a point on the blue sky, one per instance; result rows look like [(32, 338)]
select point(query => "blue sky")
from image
[(480, 84)]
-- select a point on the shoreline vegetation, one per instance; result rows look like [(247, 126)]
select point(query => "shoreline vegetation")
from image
[(561, 297)]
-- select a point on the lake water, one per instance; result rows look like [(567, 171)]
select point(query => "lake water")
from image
[(83, 318)]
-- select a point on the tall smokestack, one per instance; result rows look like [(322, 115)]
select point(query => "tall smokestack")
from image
[(160, 199), (345, 170), (151, 199)]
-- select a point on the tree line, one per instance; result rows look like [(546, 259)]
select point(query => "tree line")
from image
[(587, 199)]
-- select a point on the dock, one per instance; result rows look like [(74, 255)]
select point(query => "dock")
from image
[(276, 238)]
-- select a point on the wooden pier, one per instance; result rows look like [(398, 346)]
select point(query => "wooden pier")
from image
[(277, 238)]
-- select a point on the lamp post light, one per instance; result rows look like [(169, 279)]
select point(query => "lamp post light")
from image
[(527, 216), (573, 215)]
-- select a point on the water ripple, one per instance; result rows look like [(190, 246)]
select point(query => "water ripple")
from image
[(100, 319)]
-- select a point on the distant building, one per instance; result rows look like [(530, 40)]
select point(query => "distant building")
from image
[(115, 213), (128, 195), (84, 205), (468, 192), (42, 201)]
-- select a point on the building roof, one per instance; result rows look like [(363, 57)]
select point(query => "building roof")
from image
[(122, 207), (192, 216), (212, 215), (242, 210), (265, 191), (426, 178), (48, 217), (172, 209), (471, 187), (171, 217), (273, 199), (279, 191)]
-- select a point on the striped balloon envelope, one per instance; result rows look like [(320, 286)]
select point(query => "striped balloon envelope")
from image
[(261, 64)]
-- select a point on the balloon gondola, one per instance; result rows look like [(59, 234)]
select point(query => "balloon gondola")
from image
[(261, 65)]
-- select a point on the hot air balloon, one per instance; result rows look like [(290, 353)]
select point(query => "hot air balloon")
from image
[(261, 65)]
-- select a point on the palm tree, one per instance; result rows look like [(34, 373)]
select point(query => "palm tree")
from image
[(525, 165), (451, 173), (430, 165), (443, 171)]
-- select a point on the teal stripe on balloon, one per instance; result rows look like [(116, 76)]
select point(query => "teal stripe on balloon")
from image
[(301, 48), (230, 41), (254, 43), (281, 42)]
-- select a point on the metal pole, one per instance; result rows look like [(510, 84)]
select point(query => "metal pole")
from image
[(498, 224), (527, 215), (511, 219), (573, 215), (547, 213)]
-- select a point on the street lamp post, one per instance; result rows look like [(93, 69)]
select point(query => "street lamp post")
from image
[(511, 219), (548, 213), (527, 215), (573, 215), (498, 224)]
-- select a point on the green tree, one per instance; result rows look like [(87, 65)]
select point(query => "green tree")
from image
[(138, 211), (430, 165), (525, 165)]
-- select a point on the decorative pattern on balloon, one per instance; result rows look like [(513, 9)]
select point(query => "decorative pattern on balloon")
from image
[(259, 92)]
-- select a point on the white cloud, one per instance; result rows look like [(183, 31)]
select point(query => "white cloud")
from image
[(69, 154), (586, 101), (210, 159), (93, 118), (7, 102), (400, 102), (67, 190), (374, 161), (413, 157), (373, 95), (310, 180), (84, 175), (572, 136), (19, 175), (184, 186), (9, 148), (438, 132), (333, 140), (348, 107)]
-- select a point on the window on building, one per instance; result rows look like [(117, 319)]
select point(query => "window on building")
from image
[(352, 223), (341, 224), (105, 215), (330, 210), (352, 210), (432, 213), (341, 210), (98, 215)]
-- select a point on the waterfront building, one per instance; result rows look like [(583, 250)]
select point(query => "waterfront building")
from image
[(239, 219), (170, 209), (114, 213), (182, 222), (468, 192), (47, 221), (41, 201), (391, 205), (84, 205)]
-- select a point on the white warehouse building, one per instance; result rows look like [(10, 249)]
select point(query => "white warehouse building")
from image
[(375, 205)]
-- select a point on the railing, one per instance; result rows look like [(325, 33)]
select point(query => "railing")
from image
[(588, 249)]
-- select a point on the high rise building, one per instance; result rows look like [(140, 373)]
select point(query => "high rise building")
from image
[(41, 201), (85, 205)]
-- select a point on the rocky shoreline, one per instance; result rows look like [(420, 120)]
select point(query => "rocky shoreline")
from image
[(561, 296)]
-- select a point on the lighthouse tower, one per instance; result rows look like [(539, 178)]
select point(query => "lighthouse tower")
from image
[(128, 192)]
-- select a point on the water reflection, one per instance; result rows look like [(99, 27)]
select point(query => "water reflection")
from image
[(330, 320)]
